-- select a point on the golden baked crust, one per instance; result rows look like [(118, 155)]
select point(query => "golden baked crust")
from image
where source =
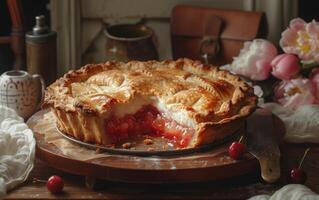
[(213, 102)]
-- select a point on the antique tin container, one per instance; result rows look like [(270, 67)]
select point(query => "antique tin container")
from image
[(41, 51)]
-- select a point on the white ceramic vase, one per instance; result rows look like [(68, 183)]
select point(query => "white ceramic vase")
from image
[(21, 91)]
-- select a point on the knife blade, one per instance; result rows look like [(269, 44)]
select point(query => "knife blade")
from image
[(263, 143)]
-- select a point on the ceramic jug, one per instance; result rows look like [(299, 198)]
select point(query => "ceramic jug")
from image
[(21, 91)]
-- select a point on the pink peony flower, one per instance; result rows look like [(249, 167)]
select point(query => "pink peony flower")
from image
[(295, 92), (285, 66), (254, 60), (314, 75), (302, 39)]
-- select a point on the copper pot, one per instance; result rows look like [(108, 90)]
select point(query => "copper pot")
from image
[(130, 42)]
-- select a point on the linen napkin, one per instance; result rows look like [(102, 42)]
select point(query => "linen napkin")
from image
[(17, 150), (302, 125), (289, 192)]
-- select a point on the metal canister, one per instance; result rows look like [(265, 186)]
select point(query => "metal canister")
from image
[(41, 51)]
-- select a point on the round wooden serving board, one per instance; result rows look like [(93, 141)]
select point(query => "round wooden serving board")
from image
[(210, 165)]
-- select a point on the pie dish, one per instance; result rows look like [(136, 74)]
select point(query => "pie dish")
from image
[(184, 101)]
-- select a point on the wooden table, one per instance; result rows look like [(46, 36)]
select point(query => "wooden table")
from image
[(237, 188)]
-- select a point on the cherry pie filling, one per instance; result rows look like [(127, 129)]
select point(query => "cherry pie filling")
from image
[(148, 121)]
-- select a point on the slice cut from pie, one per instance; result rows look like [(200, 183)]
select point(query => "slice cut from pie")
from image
[(184, 101)]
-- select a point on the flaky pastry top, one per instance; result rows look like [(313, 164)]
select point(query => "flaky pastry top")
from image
[(200, 91)]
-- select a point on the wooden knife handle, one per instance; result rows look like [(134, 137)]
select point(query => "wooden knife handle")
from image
[(270, 167)]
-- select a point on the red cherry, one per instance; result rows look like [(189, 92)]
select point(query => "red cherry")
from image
[(236, 150), (55, 184), (298, 176)]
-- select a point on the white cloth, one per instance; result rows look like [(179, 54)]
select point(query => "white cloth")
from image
[(17, 150), (302, 125), (289, 192)]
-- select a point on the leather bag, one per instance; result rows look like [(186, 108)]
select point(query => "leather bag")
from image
[(213, 35)]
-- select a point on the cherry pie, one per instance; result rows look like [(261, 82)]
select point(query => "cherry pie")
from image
[(188, 103)]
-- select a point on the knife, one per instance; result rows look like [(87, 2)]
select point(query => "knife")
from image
[(263, 143)]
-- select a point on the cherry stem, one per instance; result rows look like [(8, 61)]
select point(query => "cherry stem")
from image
[(35, 180), (303, 157), (241, 138)]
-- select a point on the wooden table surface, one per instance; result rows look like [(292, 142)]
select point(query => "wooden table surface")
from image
[(236, 188)]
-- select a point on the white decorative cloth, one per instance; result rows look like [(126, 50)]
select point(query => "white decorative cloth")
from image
[(17, 150), (289, 192), (302, 125)]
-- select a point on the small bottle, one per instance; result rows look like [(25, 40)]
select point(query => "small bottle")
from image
[(41, 51)]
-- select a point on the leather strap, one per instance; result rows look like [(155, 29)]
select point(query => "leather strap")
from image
[(210, 45)]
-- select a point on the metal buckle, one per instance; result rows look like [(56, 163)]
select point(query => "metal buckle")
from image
[(209, 48)]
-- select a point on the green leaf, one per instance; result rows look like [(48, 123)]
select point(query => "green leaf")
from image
[(268, 87), (308, 66)]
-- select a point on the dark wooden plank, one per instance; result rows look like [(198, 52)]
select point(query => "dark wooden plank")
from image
[(239, 188), (5, 39)]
